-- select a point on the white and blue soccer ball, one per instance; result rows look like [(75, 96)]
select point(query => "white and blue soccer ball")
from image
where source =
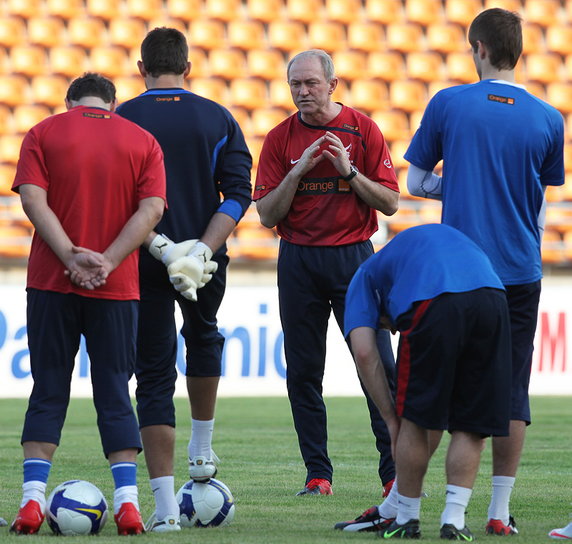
[(205, 504), (75, 508)]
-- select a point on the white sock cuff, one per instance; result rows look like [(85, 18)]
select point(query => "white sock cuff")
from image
[(202, 424), (504, 481), (458, 495), (162, 481)]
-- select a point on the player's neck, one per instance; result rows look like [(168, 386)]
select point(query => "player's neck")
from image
[(493, 73), (322, 118), (165, 81)]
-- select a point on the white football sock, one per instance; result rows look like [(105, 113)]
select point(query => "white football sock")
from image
[(456, 502), (201, 438), (409, 508), (34, 491), (127, 493), (163, 489), (388, 508), (500, 498)]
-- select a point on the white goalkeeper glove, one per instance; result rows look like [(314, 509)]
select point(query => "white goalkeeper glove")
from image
[(167, 251)]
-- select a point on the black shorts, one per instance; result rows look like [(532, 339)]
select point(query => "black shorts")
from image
[(453, 367)]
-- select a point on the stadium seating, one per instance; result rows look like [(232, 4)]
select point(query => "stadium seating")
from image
[(279, 93), (68, 60), (386, 65), (559, 39), (109, 60), (249, 93), (104, 9), (26, 116), (29, 60), (405, 37), (66, 9), (23, 8), (186, 10), (424, 65), (407, 95), (224, 10), (350, 64), (12, 31), (266, 63), (264, 10), (207, 33), (13, 90), (532, 39), (327, 35), (46, 31), (227, 63), (145, 9), (460, 68), (87, 32), (462, 11), (424, 12), (343, 11), (542, 12), (446, 38), (368, 95), (210, 87), (304, 11), (246, 35), (49, 90), (387, 12), (366, 36), (10, 148), (393, 124), (127, 32), (128, 87), (543, 67), (287, 36)]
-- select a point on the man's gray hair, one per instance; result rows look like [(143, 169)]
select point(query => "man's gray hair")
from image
[(325, 60)]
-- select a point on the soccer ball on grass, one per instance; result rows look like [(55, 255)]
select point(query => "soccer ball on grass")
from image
[(76, 507), (205, 504)]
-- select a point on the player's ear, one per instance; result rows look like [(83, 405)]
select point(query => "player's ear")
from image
[(333, 85), (68, 104), (187, 69), (113, 105), (141, 68)]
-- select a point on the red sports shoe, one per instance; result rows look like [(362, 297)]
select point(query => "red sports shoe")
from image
[(128, 520), (29, 519), (497, 527), (317, 486)]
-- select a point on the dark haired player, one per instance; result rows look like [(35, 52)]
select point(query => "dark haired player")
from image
[(323, 174), (205, 156), (93, 186), (438, 289), (500, 146)]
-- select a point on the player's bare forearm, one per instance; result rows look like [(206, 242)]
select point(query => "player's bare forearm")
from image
[(375, 195), (274, 207), (135, 231), (220, 227)]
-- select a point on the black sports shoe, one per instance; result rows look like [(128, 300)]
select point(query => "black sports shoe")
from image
[(407, 530), (368, 521), (450, 532)]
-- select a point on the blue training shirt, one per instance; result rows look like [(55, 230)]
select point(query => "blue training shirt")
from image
[(499, 145), (205, 157), (420, 263)]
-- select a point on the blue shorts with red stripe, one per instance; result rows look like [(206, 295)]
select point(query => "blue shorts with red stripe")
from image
[(453, 367)]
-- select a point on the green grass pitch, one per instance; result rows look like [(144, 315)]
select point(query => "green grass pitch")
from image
[(261, 464)]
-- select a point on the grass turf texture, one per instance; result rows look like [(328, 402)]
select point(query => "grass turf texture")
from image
[(261, 464)]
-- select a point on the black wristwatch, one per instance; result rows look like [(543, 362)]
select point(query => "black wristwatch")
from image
[(353, 173)]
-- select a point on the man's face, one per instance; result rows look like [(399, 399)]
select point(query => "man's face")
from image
[(310, 90)]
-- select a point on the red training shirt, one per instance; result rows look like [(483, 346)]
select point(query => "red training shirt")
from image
[(325, 210), (96, 167)]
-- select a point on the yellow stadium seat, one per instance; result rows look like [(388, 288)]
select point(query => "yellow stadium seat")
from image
[(255, 242), (249, 93), (350, 65), (543, 67), (16, 241), (532, 39), (433, 87), (211, 88), (10, 145), (66, 9), (7, 173), (407, 95), (542, 12), (405, 37), (425, 66), (266, 63), (446, 38), (388, 66), (263, 120), (199, 62), (536, 89), (265, 10), (424, 12), (462, 11), (87, 32), (28, 115), (552, 248), (46, 31), (368, 95), (104, 9), (254, 146), (242, 117), (68, 60), (568, 67), (128, 87), (224, 10), (127, 32), (279, 93), (286, 36), (510, 5), (49, 90), (227, 63), (24, 8), (246, 34), (13, 90), (461, 68), (4, 64), (145, 9), (559, 39), (560, 96), (366, 36), (343, 11), (29, 60), (305, 11), (430, 212), (207, 34), (12, 31), (167, 22), (5, 119), (109, 60), (415, 120), (327, 35), (405, 218), (393, 124), (386, 12), (186, 10)]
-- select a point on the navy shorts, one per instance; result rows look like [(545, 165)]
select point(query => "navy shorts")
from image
[(55, 324), (453, 366), (157, 344), (523, 308)]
